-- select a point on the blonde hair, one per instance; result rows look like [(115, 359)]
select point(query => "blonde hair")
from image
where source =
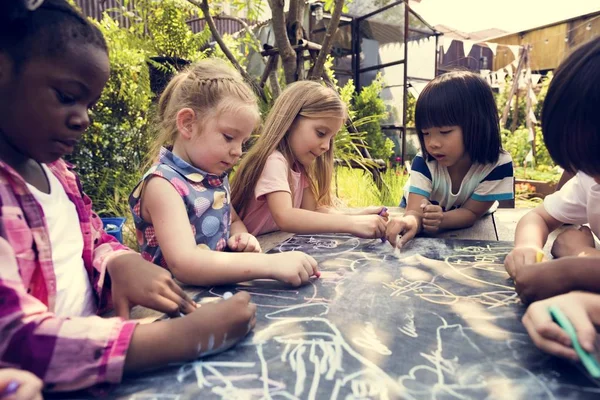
[(210, 87), (308, 99)]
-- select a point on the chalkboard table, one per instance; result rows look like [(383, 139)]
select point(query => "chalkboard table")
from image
[(440, 320)]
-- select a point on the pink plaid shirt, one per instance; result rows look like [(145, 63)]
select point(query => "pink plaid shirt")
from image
[(67, 353)]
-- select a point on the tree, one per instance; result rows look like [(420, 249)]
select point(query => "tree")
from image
[(290, 38)]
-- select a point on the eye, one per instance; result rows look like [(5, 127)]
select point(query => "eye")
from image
[(321, 134), (425, 133), (228, 138), (64, 98), (446, 132)]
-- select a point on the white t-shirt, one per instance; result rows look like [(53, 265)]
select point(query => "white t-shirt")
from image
[(483, 182), (74, 295), (577, 202)]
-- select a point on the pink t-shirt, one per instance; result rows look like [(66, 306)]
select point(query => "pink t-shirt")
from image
[(274, 178)]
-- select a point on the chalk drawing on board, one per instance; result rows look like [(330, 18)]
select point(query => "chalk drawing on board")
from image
[(442, 321)]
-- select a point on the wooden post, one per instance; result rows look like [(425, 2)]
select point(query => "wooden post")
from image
[(529, 115), (513, 124), (513, 89)]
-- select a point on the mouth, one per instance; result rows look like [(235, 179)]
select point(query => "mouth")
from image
[(226, 164), (313, 154), (438, 156), (66, 146)]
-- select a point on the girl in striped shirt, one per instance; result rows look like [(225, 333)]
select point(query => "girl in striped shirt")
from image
[(461, 170)]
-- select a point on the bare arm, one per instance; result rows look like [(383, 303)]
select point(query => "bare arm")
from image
[(301, 220), (237, 225), (189, 263), (583, 273), (542, 280), (306, 219), (533, 229), (211, 328), (466, 215)]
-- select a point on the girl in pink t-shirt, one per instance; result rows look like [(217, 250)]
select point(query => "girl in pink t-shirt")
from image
[(284, 182)]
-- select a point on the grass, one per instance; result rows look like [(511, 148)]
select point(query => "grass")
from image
[(356, 188)]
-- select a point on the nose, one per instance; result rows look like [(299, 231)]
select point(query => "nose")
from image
[(79, 120), (236, 150), (431, 142), (325, 144)]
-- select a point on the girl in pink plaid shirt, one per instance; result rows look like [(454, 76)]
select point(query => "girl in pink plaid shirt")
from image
[(58, 268)]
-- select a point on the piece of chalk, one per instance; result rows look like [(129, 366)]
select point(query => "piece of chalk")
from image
[(539, 256), (11, 388), (588, 360), (227, 295)]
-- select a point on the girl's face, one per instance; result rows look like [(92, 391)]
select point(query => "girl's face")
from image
[(44, 106), (216, 146), (311, 137), (445, 144)]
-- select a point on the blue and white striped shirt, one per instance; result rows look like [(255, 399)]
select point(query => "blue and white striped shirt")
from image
[(483, 182)]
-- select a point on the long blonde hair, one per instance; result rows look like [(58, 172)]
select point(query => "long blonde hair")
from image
[(209, 87), (308, 99)]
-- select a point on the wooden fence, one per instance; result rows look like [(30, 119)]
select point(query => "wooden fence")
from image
[(95, 8)]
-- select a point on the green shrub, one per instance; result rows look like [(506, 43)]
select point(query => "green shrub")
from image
[(115, 145), (368, 103), (517, 144), (550, 175)]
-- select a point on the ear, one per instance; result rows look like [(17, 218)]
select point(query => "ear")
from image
[(186, 122), (6, 67)]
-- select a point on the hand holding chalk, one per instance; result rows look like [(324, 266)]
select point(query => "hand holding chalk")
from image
[(19, 384), (589, 361), (539, 256), (432, 217), (10, 389), (227, 295)]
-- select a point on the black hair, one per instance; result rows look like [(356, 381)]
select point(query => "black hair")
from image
[(571, 111), (45, 31), (464, 99)]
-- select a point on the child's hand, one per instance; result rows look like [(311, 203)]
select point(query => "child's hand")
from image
[(406, 226), (373, 210), (432, 217), (573, 242), (550, 337), (136, 281), (220, 325), (368, 226), (29, 385), (520, 256), (244, 242), (293, 267), (542, 280)]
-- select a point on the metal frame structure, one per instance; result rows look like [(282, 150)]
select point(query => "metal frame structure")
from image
[(354, 22)]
